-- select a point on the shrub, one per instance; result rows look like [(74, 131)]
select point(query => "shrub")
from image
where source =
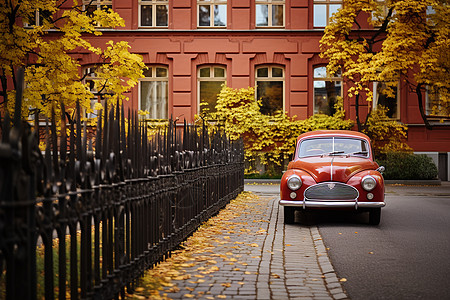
[(408, 166)]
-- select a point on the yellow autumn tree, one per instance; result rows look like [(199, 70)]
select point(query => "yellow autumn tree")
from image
[(39, 37), (410, 41)]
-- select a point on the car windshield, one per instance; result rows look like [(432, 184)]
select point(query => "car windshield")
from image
[(334, 146)]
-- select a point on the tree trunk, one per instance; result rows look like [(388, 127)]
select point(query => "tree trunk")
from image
[(422, 113)]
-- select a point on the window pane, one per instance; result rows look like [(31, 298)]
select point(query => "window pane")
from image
[(277, 72), (208, 94), (161, 72), (271, 95), (334, 8), (389, 102), (320, 72), (325, 96), (219, 72), (154, 99), (205, 72), (320, 15), (90, 10), (262, 15), (263, 72), (220, 15), (204, 15), (148, 72), (277, 15), (146, 15), (161, 15)]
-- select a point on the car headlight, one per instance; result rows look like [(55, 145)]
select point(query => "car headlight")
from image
[(368, 183), (294, 182)]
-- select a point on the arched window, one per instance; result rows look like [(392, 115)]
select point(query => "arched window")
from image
[(326, 90), (210, 80), (153, 92), (270, 88)]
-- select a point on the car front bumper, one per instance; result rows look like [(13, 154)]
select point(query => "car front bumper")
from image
[(331, 204)]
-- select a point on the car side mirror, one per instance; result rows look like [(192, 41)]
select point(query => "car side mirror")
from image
[(381, 169)]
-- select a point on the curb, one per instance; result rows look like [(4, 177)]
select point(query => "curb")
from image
[(331, 280)]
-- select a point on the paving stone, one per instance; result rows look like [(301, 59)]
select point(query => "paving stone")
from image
[(287, 262)]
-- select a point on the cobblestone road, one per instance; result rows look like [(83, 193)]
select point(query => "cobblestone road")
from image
[(246, 252)]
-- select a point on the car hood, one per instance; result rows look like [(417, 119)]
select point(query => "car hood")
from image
[(333, 168)]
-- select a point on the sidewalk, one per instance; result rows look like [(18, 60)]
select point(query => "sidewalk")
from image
[(246, 252)]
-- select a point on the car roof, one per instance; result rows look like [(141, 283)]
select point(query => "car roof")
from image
[(331, 133)]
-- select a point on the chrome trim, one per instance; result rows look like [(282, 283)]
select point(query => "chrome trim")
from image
[(362, 183), (331, 185), (304, 204)]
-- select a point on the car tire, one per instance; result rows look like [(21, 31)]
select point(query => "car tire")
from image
[(375, 216), (289, 215)]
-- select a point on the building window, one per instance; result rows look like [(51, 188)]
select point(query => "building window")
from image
[(153, 93), (210, 80), (380, 97), (212, 13), (153, 13), (381, 13), (90, 6), (326, 90), (270, 89), (269, 13), (435, 105), (37, 18), (323, 10), (93, 82)]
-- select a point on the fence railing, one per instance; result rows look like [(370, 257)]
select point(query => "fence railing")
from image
[(86, 217)]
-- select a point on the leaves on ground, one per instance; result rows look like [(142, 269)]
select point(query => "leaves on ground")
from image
[(197, 253)]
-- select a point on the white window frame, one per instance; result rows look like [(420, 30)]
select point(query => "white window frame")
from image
[(327, 4), (211, 3), (270, 4), (153, 4), (212, 77), (327, 77), (375, 99), (154, 78), (271, 78), (90, 74), (37, 15)]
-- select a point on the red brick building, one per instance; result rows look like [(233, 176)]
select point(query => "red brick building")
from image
[(193, 46)]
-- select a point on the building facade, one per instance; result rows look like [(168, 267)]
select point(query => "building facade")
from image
[(192, 47)]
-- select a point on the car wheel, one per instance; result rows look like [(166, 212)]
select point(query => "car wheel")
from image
[(375, 216), (289, 215)]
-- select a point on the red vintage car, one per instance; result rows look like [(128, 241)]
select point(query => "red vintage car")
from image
[(333, 170)]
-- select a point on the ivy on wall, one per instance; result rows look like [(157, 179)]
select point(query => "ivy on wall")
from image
[(268, 139)]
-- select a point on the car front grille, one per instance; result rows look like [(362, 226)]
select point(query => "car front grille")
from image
[(331, 191)]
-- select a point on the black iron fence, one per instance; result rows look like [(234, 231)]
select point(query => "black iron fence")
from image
[(85, 217)]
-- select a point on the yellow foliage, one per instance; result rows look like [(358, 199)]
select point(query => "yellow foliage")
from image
[(269, 138), (387, 135), (52, 75), (412, 43)]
